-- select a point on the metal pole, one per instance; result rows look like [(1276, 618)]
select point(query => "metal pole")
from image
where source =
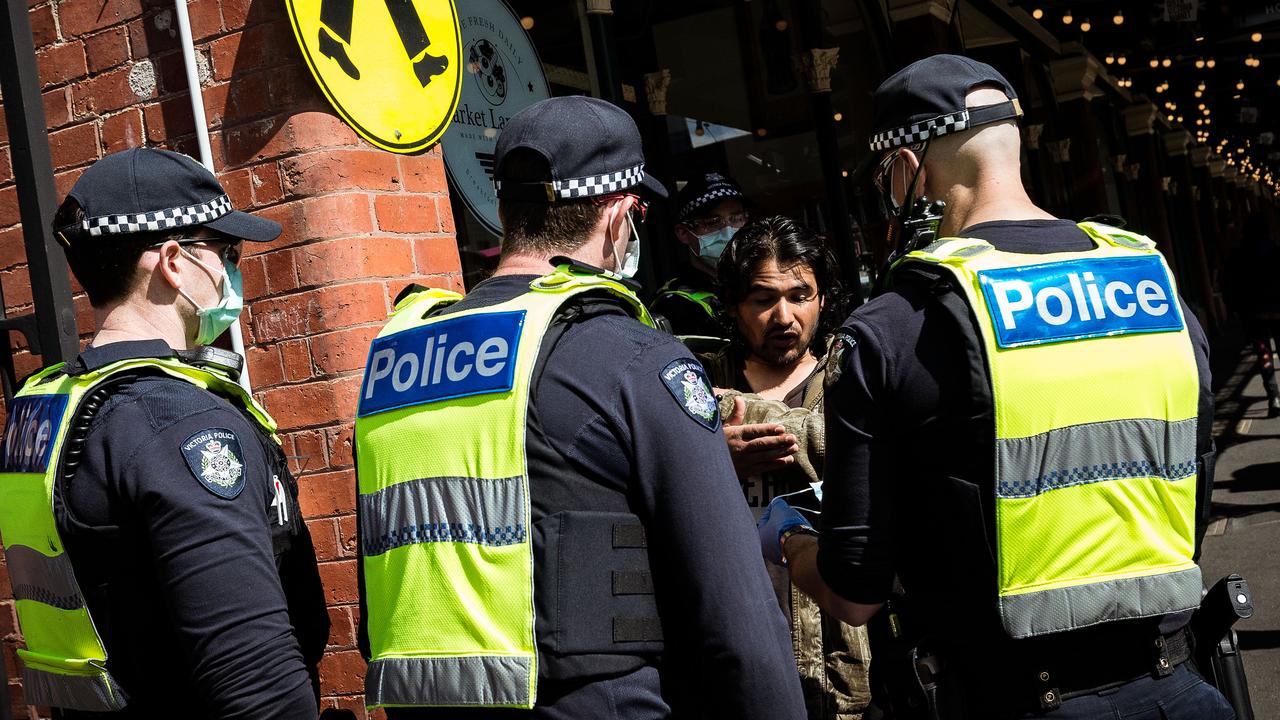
[(54, 337), (600, 21), (206, 155)]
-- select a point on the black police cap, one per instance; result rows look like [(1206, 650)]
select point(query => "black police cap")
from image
[(592, 146), (147, 190), (925, 100), (703, 191)]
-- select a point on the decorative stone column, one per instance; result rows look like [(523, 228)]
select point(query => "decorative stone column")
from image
[(1196, 285), (656, 85), (1151, 216), (1075, 88), (926, 23)]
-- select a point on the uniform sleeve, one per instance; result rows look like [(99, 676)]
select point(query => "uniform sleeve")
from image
[(1206, 452), (212, 554), (719, 614), (854, 546)]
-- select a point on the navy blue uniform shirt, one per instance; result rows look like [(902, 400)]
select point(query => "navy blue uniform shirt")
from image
[(908, 476), (606, 432), (208, 605)]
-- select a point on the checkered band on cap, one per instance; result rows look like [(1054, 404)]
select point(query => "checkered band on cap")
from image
[(919, 132), (591, 185), (159, 219), (707, 199)]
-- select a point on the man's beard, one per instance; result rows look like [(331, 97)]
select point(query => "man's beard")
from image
[(769, 354)]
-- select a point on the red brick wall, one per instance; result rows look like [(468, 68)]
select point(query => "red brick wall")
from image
[(359, 224)]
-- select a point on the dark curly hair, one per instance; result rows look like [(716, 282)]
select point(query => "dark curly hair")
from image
[(789, 243)]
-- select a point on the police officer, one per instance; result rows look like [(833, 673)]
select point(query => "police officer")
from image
[(709, 210), (150, 524), (1019, 430), (535, 467)]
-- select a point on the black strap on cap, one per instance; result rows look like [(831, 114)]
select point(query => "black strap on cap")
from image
[(994, 113)]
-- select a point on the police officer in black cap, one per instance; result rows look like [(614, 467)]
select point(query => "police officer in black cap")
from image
[(1019, 430), (709, 209), (569, 449), (150, 523)]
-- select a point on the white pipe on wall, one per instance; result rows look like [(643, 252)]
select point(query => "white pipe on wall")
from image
[(202, 140)]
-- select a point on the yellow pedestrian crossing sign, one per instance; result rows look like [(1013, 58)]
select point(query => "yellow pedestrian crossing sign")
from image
[(391, 68)]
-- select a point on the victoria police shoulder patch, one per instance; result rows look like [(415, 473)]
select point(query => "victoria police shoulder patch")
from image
[(215, 458), (687, 382)]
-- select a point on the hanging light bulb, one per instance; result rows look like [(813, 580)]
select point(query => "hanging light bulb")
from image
[(1119, 18), (1037, 13), (1122, 59), (1210, 63), (1154, 63), (1200, 63), (1067, 19), (1086, 26), (1110, 59), (1179, 118), (1198, 93), (1166, 62), (1239, 84), (1256, 37), (1200, 87), (1200, 106), (526, 22)]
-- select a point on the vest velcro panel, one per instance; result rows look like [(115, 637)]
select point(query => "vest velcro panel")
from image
[(1095, 393), (444, 504)]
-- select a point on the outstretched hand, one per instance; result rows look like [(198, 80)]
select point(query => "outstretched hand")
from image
[(757, 448)]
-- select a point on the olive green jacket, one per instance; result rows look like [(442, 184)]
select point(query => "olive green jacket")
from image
[(832, 657)]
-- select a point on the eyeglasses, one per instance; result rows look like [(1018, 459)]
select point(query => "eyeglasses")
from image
[(883, 173), (640, 204), (228, 253), (714, 223)]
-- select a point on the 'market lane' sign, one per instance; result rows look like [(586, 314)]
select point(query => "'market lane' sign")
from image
[(501, 75)]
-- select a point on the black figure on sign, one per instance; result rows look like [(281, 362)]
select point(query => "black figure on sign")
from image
[(335, 36)]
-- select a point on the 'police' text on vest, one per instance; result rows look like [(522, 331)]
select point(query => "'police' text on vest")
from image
[(451, 358), (1078, 299)]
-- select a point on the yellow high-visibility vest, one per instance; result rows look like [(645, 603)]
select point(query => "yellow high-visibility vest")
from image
[(444, 505), (1095, 388), (64, 662)]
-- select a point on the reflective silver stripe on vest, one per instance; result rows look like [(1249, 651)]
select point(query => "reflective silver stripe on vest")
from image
[(94, 693), (473, 680), (443, 509), (44, 579), (1050, 611), (1095, 452)]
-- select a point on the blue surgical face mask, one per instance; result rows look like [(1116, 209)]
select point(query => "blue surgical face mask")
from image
[(711, 246), (215, 320)]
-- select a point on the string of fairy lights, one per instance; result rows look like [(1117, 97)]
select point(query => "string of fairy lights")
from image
[(1197, 116)]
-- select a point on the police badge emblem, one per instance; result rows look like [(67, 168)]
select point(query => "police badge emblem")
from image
[(687, 382), (843, 342), (215, 458)]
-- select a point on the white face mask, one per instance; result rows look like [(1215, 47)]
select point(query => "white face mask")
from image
[(630, 262)]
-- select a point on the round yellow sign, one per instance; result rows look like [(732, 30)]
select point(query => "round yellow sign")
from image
[(392, 71)]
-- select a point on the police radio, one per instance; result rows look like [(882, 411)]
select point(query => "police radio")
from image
[(920, 225)]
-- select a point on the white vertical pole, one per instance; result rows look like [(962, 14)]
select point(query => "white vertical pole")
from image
[(202, 140)]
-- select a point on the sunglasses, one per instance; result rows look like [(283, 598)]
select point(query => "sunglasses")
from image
[(641, 204), (228, 252)]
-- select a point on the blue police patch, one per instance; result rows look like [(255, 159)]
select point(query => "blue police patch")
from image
[(29, 433), (215, 458), (688, 384), (469, 355), (1079, 299)]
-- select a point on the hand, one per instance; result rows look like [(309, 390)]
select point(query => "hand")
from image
[(758, 448), (778, 518)]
